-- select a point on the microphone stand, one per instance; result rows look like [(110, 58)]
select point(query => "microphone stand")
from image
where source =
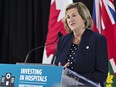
[(36, 49), (27, 56), (54, 56)]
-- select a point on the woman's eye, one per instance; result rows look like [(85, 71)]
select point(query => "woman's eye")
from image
[(74, 15), (68, 17)]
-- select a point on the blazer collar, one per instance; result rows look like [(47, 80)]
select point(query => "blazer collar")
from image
[(86, 36)]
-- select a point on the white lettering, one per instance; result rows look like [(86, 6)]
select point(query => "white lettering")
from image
[(22, 77), (36, 78), (25, 85), (31, 71)]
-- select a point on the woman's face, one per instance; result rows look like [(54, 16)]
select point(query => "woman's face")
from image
[(74, 20)]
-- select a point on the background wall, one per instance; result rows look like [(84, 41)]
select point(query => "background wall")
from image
[(23, 26)]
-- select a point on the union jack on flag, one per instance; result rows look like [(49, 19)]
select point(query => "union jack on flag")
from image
[(103, 14), (104, 19)]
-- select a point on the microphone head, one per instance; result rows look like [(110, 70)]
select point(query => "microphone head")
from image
[(60, 34)]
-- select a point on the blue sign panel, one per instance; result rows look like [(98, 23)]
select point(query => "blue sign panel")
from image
[(25, 75)]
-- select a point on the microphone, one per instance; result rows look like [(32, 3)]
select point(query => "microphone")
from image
[(27, 56)]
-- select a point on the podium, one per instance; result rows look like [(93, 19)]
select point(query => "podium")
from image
[(73, 79), (39, 75), (30, 75)]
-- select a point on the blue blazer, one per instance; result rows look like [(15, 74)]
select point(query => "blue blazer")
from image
[(91, 62)]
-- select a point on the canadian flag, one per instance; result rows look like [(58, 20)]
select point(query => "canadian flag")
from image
[(54, 26)]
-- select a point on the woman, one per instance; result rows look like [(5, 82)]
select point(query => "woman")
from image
[(82, 50)]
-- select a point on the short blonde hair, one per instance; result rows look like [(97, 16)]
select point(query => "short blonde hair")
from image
[(83, 12)]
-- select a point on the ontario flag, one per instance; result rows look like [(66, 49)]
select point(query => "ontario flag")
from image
[(104, 19), (55, 25)]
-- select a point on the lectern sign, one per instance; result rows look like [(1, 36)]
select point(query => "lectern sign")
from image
[(25, 75)]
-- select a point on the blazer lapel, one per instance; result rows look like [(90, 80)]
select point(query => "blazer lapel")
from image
[(68, 42), (84, 44)]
